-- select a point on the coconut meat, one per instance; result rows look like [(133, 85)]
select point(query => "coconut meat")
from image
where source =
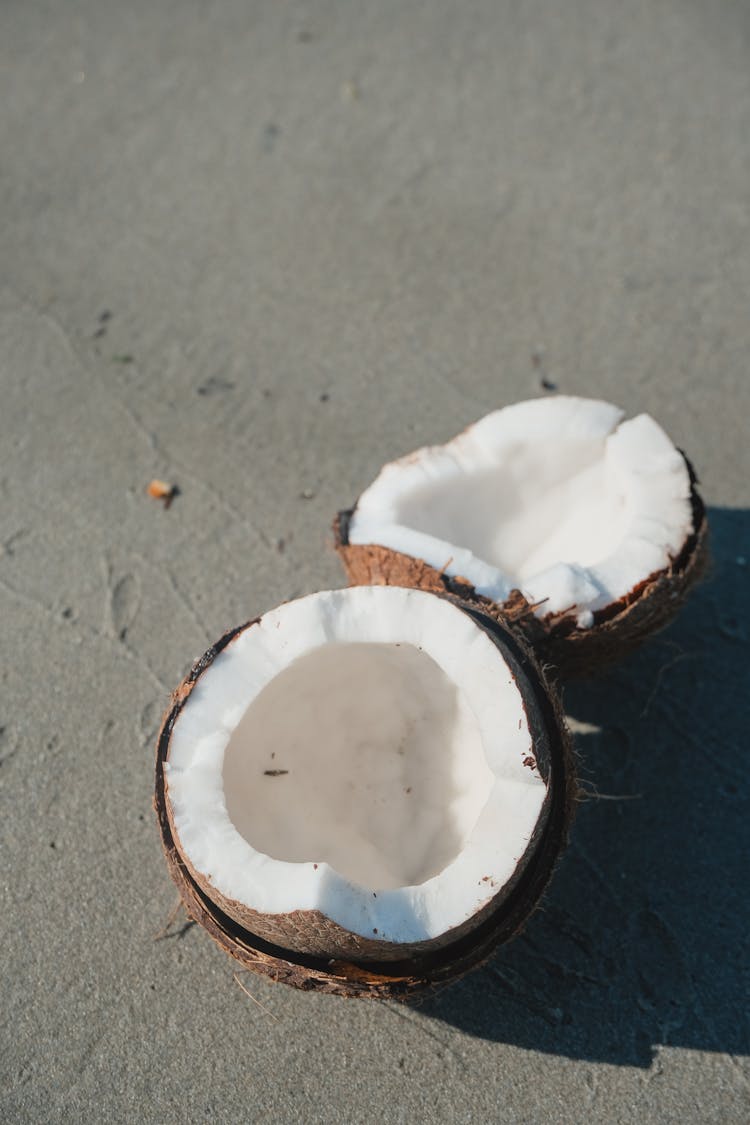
[(365, 753), (557, 497)]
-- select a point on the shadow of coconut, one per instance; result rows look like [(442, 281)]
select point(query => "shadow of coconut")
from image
[(643, 938)]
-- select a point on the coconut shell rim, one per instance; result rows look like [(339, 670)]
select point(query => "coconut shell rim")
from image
[(418, 974)]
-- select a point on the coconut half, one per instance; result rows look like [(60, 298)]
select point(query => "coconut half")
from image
[(364, 790), (584, 528)]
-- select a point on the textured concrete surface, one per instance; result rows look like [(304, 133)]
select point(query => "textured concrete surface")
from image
[(257, 250)]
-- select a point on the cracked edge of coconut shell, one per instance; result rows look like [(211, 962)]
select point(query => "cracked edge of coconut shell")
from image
[(504, 916), (557, 642)]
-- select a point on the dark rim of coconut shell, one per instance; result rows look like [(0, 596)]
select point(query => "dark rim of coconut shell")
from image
[(555, 640), (397, 979)]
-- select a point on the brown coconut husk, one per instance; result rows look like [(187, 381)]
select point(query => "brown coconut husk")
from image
[(555, 639), (295, 948)]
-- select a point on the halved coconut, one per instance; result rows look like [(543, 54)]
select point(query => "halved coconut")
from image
[(364, 790), (585, 529)]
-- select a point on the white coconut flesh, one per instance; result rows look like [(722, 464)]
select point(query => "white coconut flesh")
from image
[(558, 497), (364, 753)]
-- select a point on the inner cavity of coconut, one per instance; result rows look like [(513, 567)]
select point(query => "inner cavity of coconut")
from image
[(556, 497), (365, 753), (363, 756)]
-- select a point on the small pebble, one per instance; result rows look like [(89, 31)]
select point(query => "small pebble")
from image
[(162, 490)]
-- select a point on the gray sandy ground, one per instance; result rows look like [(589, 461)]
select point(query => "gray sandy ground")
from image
[(257, 249)]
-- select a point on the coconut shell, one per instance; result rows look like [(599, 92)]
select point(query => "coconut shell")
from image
[(295, 948), (555, 639)]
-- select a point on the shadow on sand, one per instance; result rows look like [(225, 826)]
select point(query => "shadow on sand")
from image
[(643, 938)]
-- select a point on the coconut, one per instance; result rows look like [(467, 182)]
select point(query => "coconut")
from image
[(585, 530), (364, 790)]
